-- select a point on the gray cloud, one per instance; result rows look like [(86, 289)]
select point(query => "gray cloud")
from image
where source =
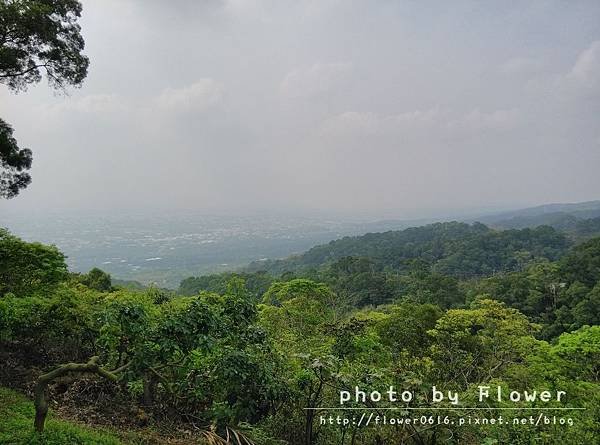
[(586, 71), (314, 80), (380, 107)]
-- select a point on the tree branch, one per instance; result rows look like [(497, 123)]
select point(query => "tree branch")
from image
[(41, 405), (21, 73)]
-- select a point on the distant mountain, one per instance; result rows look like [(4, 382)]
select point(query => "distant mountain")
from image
[(560, 216), (453, 248), (401, 241)]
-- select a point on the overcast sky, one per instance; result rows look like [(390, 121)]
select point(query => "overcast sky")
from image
[(384, 107)]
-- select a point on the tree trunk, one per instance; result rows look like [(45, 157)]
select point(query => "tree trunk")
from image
[(308, 433), (149, 389), (40, 403)]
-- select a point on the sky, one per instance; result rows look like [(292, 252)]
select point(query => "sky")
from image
[(385, 108)]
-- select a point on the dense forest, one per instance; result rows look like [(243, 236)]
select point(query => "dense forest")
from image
[(252, 356), (453, 248)]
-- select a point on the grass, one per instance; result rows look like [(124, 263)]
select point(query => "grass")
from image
[(16, 426)]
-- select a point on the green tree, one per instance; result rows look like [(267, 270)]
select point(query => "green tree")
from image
[(406, 327), (583, 263), (477, 344), (29, 268), (296, 313), (36, 36), (13, 162), (359, 281), (97, 279), (580, 351)]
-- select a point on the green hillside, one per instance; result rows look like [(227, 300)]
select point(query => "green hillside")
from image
[(457, 249), (244, 355)]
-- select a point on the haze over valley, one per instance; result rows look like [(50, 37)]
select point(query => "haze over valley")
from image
[(165, 248)]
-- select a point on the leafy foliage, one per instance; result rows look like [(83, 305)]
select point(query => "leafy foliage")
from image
[(96, 279), (29, 268), (13, 162), (563, 296), (249, 362), (40, 35), (35, 35), (256, 284), (456, 249)]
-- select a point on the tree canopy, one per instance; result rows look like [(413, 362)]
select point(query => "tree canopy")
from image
[(41, 36), (255, 351), (13, 163), (36, 37), (453, 248), (28, 268)]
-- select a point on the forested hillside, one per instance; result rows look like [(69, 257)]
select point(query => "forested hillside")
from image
[(446, 264), (566, 222), (244, 355), (548, 214), (454, 248)]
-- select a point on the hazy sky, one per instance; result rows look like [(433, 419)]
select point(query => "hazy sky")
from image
[(387, 107)]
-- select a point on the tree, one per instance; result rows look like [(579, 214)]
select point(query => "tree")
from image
[(41, 405), (583, 263), (477, 344), (580, 351), (405, 328), (28, 268), (13, 162), (38, 35), (35, 36), (98, 280)]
